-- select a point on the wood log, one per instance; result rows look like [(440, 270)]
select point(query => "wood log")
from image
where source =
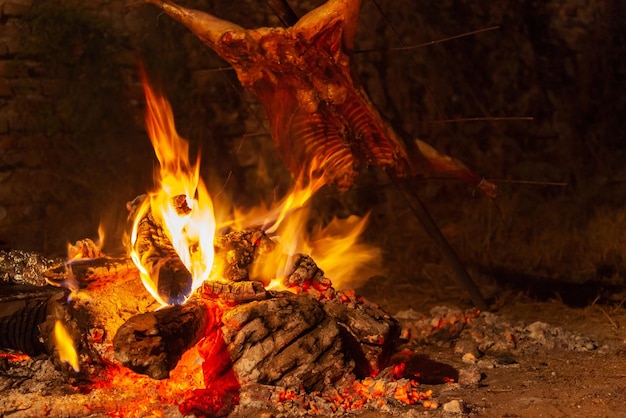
[(369, 333), (236, 251), (234, 293), (21, 317), (172, 279), (93, 299), (285, 341), (30, 329), (152, 343)]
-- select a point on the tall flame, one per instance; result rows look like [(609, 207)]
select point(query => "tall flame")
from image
[(191, 233)]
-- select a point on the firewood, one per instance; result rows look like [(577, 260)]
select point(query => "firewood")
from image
[(237, 250), (173, 280), (152, 343), (285, 341), (83, 272), (234, 293), (31, 328), (370, 333), (20, 320), (306, 274)]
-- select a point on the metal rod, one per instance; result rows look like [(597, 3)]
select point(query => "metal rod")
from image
[(431, 228), (283, 10)]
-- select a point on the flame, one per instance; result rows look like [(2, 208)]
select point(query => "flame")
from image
[(330, 246), (65, 345), (335, 248), (191, 232)]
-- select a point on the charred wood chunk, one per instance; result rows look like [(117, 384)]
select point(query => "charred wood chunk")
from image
[(233, 293), (85, 271), (30, 328), (173, 280), (153, 343), (285, 341), (369, 331), (84, 248), (20, 330), (307, 274), (237, 250)]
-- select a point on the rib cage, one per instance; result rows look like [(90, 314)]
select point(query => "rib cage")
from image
[(322, 144)]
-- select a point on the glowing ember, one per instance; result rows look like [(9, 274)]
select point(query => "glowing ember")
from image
[(65, 345)]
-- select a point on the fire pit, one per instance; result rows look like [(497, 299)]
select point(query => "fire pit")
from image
[(246, 315), (242, 315)]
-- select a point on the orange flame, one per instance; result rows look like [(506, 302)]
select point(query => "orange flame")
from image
[(335, 247), (330, 246), (65, 345), (191, 233)]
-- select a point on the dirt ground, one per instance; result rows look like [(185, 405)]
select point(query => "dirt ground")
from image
[(537, 381)]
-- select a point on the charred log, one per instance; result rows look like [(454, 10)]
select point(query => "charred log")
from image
[(30, 329), (236, 251), (307, 274), (234, 293), (286, 341), (153, 343), (82, 273), (368, 332), (20, 330)]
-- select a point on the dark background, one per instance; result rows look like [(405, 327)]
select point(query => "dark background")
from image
[(73, 149)]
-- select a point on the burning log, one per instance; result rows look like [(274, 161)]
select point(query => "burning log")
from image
[(237, 250), (93, 298), (285, 341), (234, 293), (154, 248), (44, 325)]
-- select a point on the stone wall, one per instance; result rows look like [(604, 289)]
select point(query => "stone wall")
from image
[(74, 150), (73, 144)]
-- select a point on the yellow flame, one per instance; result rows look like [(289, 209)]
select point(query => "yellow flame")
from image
[(190, 233), (65, 345), (334, 248)]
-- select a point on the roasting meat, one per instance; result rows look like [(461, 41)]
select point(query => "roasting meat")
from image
[(322, 121)]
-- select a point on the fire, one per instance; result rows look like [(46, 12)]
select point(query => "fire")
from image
[(182, 205), (331, 247), (191, 232), (65, 345)]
